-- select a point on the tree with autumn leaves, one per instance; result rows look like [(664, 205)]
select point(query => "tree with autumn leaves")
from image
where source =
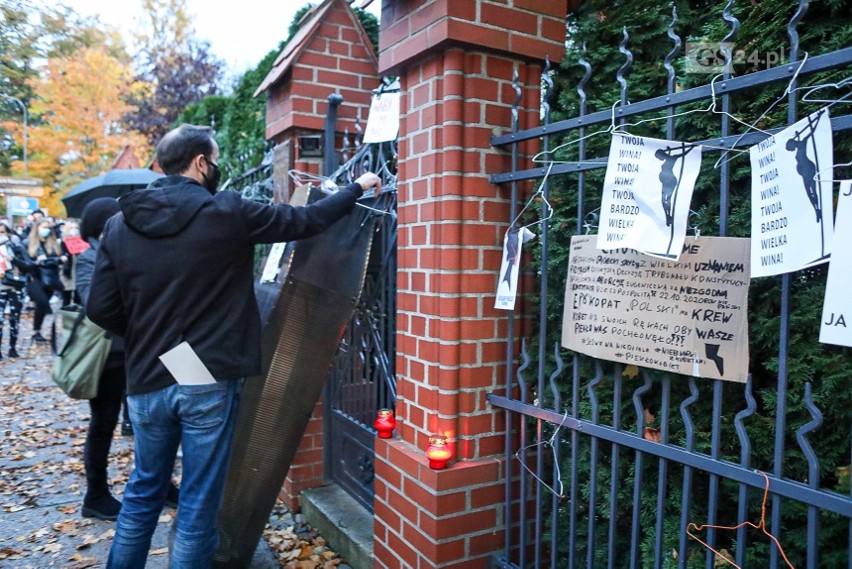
[(89, 99), (82, 100)]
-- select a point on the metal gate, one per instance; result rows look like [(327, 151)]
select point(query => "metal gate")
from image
[(362, 378), (629, 498)]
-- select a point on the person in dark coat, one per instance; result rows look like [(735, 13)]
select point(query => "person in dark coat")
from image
[(175, 270), (42, 260), (98, 501)]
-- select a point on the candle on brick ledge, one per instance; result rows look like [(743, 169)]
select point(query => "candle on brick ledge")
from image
[(385, 423), (438, 452)]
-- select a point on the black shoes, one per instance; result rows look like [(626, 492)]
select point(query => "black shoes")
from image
[(104, 507), (37, 337), (126, 429), (13, 353)]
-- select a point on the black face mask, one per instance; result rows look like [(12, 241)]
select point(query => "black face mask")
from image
[(212, 182)]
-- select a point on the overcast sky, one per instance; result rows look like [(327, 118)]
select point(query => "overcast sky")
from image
[(239, 32)]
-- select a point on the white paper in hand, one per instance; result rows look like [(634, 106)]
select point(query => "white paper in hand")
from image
[(186, 367)]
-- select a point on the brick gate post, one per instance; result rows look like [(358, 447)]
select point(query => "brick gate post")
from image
[(455, 60)]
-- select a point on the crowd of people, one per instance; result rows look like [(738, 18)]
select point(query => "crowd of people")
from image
[(37, 263), (44, 263)]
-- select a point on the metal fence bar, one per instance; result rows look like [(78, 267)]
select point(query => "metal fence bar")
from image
[(575, 372), (838, 124), (813, 473), (826, 500), (593, 477), (687, 469), (745, 456), (637, 476), (522, 538), (510, 341), (663, 474), (557, 481), (825, 62)]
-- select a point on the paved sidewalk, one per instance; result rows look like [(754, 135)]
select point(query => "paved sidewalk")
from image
[(41, 473)]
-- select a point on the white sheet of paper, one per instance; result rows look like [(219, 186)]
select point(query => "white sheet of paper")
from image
[(646, 195), (507, 286), (836, 327), (186, 367), (383, 120), (788, 229), (270, 269)]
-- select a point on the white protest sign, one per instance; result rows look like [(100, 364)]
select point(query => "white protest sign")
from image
[(383, 120), (836, 325), (688, 317), (646, 194), (791, 213), (507, 286)]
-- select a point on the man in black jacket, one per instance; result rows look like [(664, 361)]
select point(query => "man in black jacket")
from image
[(175, 269)]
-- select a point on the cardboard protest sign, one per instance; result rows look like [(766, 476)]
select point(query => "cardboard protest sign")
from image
[(383, 120), (507, 286), (791, 217), (646, 194), (836, 325), (687, 317)]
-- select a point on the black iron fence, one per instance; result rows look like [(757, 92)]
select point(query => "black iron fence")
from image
[(362, 379), (597, 490)]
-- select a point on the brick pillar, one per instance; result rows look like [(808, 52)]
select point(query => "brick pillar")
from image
[(451, 343)]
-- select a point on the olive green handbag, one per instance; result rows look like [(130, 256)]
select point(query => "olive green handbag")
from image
[(78, 365)]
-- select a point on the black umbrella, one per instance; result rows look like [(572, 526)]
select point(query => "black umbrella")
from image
[(113, 184)]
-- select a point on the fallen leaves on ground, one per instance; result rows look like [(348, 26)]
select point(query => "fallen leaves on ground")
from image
[(296, 544)]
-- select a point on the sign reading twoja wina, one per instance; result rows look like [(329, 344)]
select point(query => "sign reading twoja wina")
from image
[(687, 317), (791, 211)]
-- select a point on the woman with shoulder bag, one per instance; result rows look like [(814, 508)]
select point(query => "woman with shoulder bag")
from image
[(10, 288), (43, 259), (98, 501)]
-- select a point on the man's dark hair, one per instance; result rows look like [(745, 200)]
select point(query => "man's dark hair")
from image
[(178, 147)]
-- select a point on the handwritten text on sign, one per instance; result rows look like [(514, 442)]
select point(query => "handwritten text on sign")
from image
[(383, 120), (687, 317)]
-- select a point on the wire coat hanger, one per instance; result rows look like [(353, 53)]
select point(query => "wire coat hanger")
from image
[(551, 443), (789, 89), (818, 179), (538, 192)]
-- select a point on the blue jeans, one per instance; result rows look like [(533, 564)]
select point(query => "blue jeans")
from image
[(201, 419)]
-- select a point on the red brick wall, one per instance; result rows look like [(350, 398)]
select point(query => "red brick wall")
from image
[(337, 59), (426, 518), (451, 342), (528, 29), (455, 61), (450, 339), (306, 470)]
